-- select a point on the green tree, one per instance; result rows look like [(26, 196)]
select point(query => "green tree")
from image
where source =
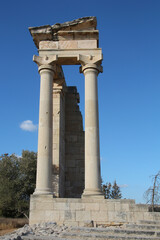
[(27, 179), (106, 188), (17, 182), (111, 191), (9, 170), (116, 192)]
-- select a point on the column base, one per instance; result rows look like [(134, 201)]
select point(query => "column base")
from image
[(43, 192), (93, 193)]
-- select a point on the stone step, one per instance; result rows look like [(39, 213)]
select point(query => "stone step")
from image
[(126, 232), (32, 237), (143, 226), (148, 222), (121, 230), (91, 237), (110, 233)]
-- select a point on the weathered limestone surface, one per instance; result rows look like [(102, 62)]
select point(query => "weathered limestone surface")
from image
[(67, 41), (70, 44), (77, 212), (58, 160), (68, 30)]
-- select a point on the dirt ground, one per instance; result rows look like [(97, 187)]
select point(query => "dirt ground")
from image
[(8, 225), (3, 232)]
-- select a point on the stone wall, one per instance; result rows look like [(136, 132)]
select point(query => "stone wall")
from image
[(68, 143), (78, 212), (74, 145)]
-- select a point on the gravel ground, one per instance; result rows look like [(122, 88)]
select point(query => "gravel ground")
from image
[(43, 229)]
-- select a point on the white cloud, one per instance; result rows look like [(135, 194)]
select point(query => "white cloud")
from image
[(18, 156), (28, 126), (123, 186)]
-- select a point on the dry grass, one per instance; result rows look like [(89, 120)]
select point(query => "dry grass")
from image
[(10, 224)]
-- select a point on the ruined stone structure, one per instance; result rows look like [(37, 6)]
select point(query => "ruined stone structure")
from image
[(68, 143), (60, 138), (68, 184)]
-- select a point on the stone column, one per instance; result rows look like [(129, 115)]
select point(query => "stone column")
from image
[(44, 161), (92, 152)]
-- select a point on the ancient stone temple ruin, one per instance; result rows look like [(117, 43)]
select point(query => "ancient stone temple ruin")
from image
[(68, 184), (61, 136)]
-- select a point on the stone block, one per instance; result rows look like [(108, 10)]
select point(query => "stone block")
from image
[(121, 207), (141, 208), (131, 217), (62, 206), (53, 216), (156, 216), (72, 44), (99, 215), (32, 205), (116, 216), (44, 205), (92, 200), (92, 206), (85, 44), (36, 216), (139, 216), (56, 100), (78, 35), (48, 45), (78, 206), (121, 216), (67, 215), (55, 146), (132, 207), (36, 198), (60, 200), (83, 216), (108, 206), (151, 216)]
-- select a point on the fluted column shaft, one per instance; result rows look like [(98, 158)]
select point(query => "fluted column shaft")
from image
[(92, 152), (44, 161)]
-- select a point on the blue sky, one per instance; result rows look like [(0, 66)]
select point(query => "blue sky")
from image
[(129, 87)]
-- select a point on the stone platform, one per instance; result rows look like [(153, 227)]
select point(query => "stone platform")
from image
[(143, 230), (88, 211)]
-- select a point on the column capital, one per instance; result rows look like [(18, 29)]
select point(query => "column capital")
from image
[(46, 60), (51, 68), (90, 62), (91, 66), (46, 63)]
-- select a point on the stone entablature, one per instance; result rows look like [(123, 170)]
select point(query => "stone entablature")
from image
[(82, 28), (71, 44)]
